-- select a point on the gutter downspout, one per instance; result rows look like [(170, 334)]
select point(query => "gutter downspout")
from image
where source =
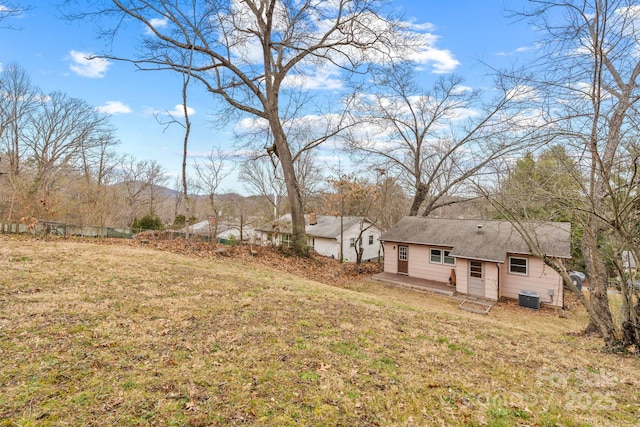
[(499, 274)]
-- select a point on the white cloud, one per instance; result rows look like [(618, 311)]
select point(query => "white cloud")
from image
[(460, 89), (426, 26), (177, 112), (523, 49), (91, 68), (157, 23), (522, 93), (7, 11), (442, 60), (414, 41), (250, 125), (315, 78), (517, 50), (114, 107)]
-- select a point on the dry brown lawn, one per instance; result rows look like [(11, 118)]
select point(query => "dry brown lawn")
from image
[(104, 334)]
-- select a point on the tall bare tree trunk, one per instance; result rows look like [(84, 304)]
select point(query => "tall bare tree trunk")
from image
[(598, 282), (298, 238), (418, 199)]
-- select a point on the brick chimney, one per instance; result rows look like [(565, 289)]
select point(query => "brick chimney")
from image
[(312, 218)]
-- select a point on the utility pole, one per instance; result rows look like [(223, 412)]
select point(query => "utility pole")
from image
[(341, 213)]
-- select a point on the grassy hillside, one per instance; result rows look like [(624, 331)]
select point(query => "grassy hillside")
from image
[(95, 334)]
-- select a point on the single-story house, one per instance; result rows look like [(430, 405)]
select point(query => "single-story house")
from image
[(483, 258), (225, 230), (325, 238)]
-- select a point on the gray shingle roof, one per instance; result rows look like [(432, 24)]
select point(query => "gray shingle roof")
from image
[(327, 226), (491, 242)]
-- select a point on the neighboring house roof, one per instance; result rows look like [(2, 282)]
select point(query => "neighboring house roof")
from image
[(205, 228), (487, 240), (326, 226), (202, 227)]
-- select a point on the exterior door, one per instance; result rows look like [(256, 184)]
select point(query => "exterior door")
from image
[(476, 278), (403, 259)]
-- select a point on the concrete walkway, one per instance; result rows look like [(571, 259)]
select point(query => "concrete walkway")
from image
[(415, 283)]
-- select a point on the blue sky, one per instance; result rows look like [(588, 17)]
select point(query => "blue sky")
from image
[(465, 34)]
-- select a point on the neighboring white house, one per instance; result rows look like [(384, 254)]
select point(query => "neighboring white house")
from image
[(225, 231), (324, 235)]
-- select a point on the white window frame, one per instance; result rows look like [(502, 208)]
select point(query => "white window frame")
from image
[(352, 242), (286, 239), (526, 266), (431, 255), (371, 239), (403, 253), (446, 256)]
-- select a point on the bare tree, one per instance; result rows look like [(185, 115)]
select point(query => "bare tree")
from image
[(261, 178), (20, 99), (310, 176), (98, 166), (436, 140), (55, 137), (10, 10), (154, 177), (210, 174), (588, 83), (362, 197), (250, 52), (132, 179), (184, 122), (48, 141)]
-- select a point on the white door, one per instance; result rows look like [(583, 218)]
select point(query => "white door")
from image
[(476, 278)]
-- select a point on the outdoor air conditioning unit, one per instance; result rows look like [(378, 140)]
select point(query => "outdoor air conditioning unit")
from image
[(529, 299)]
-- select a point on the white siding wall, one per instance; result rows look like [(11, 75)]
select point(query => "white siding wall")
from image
[(331, 247), (327, 247), (540, 279), (370, 251)]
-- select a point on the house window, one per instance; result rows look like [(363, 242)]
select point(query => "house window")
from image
[(352, 242), (438, 256), (370, 239), (435, 256), (518, 266), (448, 259), (286, 240), (311, 242), (403, 254), (475, 269)]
